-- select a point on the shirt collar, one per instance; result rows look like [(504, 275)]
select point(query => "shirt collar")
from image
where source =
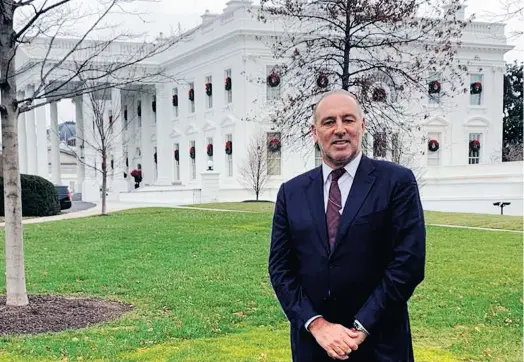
[(351, 167)]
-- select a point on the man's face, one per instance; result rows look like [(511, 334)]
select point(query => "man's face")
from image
[(338, 129)]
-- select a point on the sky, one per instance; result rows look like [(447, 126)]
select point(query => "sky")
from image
[(166, 16)]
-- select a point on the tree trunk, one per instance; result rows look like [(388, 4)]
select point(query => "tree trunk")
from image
[(14, 245), (104, 182)]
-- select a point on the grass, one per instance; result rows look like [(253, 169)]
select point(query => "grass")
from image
[(506, 222), (198, 281)]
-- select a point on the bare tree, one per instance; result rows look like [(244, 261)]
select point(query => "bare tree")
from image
[(512, 152), (404, 151), (514, 9), (511, 10), (382, 51), (254, 168), (74, 63)]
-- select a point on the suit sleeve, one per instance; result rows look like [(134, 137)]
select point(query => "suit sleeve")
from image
[(284, 280), (406, 268)]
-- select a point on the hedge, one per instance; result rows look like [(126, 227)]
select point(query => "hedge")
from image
[(39, 197)]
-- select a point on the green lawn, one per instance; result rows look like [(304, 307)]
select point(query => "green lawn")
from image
[(198, 280), (432, 217)]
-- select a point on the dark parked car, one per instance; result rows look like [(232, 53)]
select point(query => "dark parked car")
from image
[(64, 196)]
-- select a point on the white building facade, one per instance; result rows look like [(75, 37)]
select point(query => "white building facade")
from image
[(168, 128)]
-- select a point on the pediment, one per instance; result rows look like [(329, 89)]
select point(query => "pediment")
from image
[(209, 126), (227, 122), (477, 122), (175, 133), (191, 129), (436, 122)]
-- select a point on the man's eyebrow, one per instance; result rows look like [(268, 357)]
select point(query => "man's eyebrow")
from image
[(345, 115)]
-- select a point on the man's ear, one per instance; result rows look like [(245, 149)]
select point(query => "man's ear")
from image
[(314, 133)]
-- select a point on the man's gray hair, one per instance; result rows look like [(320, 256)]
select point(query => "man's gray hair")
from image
[(336, 91)]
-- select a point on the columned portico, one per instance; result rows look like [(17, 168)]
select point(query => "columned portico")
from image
[(55, 145), (31, 146), (163, 131)]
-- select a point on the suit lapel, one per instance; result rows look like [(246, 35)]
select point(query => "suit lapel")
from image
[(359, 191), (315, 198)]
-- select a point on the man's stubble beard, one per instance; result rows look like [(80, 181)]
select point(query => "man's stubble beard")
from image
[(340, 162)]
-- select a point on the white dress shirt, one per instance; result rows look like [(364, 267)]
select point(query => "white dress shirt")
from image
[(344, 184)]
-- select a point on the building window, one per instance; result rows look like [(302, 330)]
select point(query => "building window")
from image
[(229, 158), (365, 143), (153, 108), (318, 156), (139, 113), (193, 162), (475, 97), (209, 92), (434, 156), (210, 142), (396, 148), (191, 102), (474, 156), (434, 88), (274, 157), (228, 92), (125, 115), (174, 102), (176, 150), (273, 93), (380, 145)]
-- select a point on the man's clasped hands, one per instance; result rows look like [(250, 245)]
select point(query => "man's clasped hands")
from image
[(337, 340)]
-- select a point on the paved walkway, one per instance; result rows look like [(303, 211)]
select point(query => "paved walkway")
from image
[(476, 228), (113, 206)]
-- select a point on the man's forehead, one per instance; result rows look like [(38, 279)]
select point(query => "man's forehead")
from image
[(337, 105)]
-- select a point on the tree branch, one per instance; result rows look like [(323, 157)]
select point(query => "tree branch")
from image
[(37, 15)]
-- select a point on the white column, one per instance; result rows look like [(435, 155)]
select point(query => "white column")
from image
[(163, 130), (146, 145), (80, 144), (117, 143), (32, 158), (41, 142), (22, 139), (90, 186), (55, 145)]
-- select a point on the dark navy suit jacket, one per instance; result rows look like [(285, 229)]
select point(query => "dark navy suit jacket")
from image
[(377, 262)]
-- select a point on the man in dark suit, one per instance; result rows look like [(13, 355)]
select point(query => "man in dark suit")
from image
[(347, 247)]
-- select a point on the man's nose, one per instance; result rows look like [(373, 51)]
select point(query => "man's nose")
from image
[(340, 129)]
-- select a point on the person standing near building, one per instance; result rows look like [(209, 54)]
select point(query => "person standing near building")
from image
[(347, 246)]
